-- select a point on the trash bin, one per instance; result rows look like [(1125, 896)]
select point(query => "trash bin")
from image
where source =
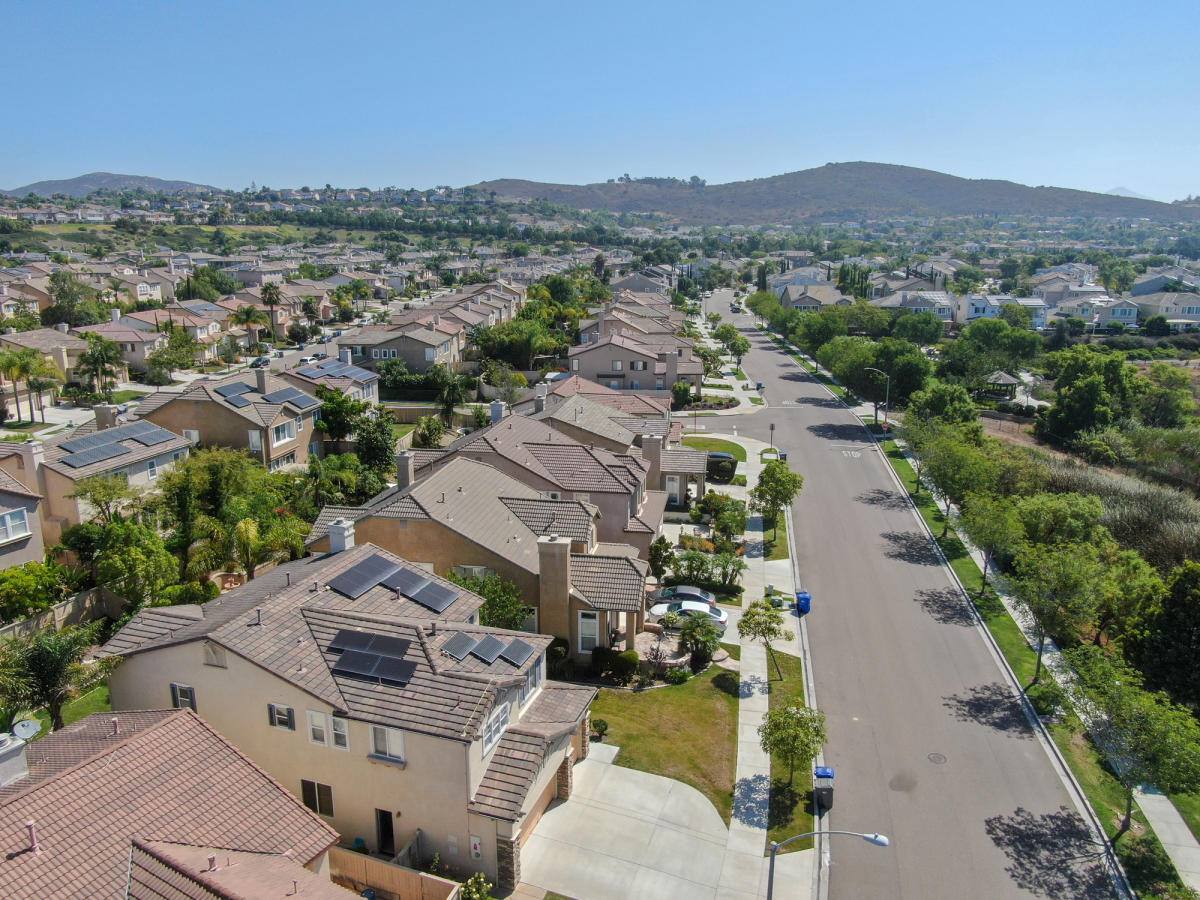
[(803, 605), (823, 787), (783, 455)]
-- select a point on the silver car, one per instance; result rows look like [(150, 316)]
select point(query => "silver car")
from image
[(718, 616), (683, 592)]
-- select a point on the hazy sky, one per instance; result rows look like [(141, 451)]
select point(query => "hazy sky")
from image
[(1086, 95)]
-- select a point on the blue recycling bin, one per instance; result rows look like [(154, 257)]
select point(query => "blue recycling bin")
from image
[(803, 601), (823, 787)]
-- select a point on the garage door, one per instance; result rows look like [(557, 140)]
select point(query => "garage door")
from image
[(539, 807)]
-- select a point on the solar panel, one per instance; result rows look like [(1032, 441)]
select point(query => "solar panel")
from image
[(460, 645), (356, 664), (405, 580), (386, 645), (303, 401), (87, 443), (488, 649), (348, 639), (309, 372), (238, 400), (356, 581), (94, 455), (395, 672), (281, 396), (435, 597), (516, 652), (230, 390), (153, 438)]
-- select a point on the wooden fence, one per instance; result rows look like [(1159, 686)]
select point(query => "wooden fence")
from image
[(390, 882)]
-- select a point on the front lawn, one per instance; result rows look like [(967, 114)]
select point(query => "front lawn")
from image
[(775, 540), (717, 386), (401, 429), (790, 810), (715, 445), (126, 396), (96, 700), (687, 732)]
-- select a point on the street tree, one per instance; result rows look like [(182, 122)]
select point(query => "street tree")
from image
[(948, 402), (792, 734), (1057, 586), (957, 469), (738, 348), (762, 622), (1167, 646), (777, 487), (992, 525)]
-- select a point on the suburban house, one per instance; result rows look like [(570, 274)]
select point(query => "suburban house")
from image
[(138, 452), (207, 331), (20, 523), (471, 519), (56, 345), (136, 345), (813, 297), (1155, 281), (621, 362), (939, 303), (390, 713), (562, 389), (1099, 311), (335, 374), (152, 804), (417, 344), (1182, 310), (564, 469), (255, 411)]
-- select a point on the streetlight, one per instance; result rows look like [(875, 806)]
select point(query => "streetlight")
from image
[(772, 427), (879, 840), (887, 394)]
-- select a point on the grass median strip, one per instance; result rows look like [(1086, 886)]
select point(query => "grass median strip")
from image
[(789, 811), (715, 445)]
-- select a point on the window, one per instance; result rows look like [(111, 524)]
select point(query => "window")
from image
[(151, 469), (637, 365), (635, 385), (280, 716), (589, 631), (317, 797), (574, 365), (533, 681), (387, 743), (617, 365), (495, 726), (374, 353), (13, 524), (318, 729), (299, 423), (658, 384), (283, 432), (255, 438), (473, 571), (430, 354), (178, 455), (183, 696), (214, 655), (340, 732)]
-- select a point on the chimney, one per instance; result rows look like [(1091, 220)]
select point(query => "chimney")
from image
[(345, 355), (260, 380), (341, 535), (497, 410), (106, 416), (405, 468), (652, 448), (539, 397), (554, 583), (12, 759), (115, 314), (62, 326)]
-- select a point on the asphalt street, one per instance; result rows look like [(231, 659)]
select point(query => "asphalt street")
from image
[(930, 745)]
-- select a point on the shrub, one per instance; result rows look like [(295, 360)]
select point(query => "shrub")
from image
[(701, 657), (1047, 697), (721, 469), (477, 887), (677, 675), (602, 661), (642, 680), (739, 480), (600, 728), (624, 666), (157, 377)]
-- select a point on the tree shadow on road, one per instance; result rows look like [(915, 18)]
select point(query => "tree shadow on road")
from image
[(883, 497), (847, 433), (992, 705), (946, 606), (912, 547), (751, 800), (823, 402), (1051, 855)]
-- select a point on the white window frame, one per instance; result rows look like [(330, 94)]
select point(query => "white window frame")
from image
[(533, 680), (618, 365), (254, 437), (10, 530), (299, 423), (391, 740), (374, 353), (430, 354), (497, 722), (589, 616), (637, 365), (152, 469), (289, 431), (191, 434), (574, 365), (318, 721), (281, 716), (339, 732)]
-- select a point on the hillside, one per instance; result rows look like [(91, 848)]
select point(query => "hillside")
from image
[(106, 181), (838, 192)]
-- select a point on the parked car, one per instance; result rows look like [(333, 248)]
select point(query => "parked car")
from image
[(718, 616), (261, 363), (320, 356), (683, 592), (305, 361)]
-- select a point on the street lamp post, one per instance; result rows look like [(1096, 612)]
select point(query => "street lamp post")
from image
[(887, 394), (772, 427), (879, 840)]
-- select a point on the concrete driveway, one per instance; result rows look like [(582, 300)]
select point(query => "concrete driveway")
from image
[(626, 834)]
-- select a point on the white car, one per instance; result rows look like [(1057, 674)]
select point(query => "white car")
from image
[(718, 616), (305, 361)]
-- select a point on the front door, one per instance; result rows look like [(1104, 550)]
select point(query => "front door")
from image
[(673, 490), (384, 833)]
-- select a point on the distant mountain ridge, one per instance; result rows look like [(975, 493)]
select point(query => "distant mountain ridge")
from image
[(107, 181), (838, 192)]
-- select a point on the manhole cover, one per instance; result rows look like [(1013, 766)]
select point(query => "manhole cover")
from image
[(937, 758)]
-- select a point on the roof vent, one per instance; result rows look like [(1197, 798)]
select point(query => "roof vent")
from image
[(258, 618)]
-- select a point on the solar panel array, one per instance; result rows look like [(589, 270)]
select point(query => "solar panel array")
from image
[(337, 369), (107, 444), (488, 649), (237, 400), (377, 658), (232, 390), (291, 395), (379, 570)]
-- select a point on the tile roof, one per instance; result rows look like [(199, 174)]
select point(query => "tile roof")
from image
[(45, 340), (10, 485), (610, 582), (258, 410), (684, 460), (164, 775), (649, 520), (628, 401), (133, 440)]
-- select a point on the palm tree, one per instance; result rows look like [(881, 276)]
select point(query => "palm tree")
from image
[(47, 670), (28, 362), (283, 540), (327, 480), (43, 377), (271, 295), (98, 364), (9, 366), (251, 317)]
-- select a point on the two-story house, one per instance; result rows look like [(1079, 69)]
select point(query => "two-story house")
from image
[(389, 712), (418, 344), (20, 522), (336, 374), (622, 362), (255, 411)]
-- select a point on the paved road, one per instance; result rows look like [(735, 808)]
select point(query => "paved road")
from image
[(930, 745)]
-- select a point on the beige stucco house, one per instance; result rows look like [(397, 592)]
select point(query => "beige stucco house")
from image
[(622, 362), (20, 523)]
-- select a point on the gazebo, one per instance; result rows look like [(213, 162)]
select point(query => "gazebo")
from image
[(1002, 383)]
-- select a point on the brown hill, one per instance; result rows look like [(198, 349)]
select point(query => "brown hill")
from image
[(107, 181), (839, 192)]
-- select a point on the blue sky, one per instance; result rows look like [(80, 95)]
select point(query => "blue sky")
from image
[(1085, 95)]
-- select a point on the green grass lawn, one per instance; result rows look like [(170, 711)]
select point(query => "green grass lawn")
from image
[(734, 650), (717, 386), (775, 542), (687, 732), (1142, 855), (23, 425), (96, 700), (400, 430), (715, 445), (740, 375), (790, 810), (1189, 807), (126, 396), (757, 401)]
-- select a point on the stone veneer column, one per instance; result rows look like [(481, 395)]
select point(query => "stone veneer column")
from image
[(585, 736), (564, 779), (508, 863)]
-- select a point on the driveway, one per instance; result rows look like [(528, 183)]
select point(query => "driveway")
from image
[(626, 834)]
